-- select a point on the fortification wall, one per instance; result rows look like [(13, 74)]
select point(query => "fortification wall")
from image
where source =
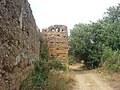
[(19, 43)]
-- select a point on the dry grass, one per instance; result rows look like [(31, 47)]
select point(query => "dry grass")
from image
[(59, 81), (113, 79)]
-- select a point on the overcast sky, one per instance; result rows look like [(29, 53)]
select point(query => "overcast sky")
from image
[(69, 12)]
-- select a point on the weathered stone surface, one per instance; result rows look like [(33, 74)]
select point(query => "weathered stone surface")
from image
[(56, 37), (19, 44)]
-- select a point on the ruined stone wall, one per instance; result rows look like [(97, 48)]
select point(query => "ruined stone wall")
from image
[(56, 37), (19, 44)]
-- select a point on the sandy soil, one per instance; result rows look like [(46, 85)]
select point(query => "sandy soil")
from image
[(87, 80)]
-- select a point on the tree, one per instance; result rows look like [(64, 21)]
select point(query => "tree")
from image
[(87, 41)]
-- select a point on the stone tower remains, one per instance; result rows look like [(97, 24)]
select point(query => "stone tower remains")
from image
[(56, 37)]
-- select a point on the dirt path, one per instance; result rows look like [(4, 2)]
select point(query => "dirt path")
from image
[(87, 80)]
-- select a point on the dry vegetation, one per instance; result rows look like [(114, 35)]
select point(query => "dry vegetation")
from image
[(113, 79), (59, 81)]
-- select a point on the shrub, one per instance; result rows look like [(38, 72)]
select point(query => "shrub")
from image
[(72, 60), (41, 72), (59, 81), (56, 64), (111, 60)]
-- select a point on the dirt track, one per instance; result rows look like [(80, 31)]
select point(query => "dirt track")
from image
[(87, 80)]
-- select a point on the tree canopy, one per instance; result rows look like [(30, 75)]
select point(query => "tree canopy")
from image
[(88, 41)]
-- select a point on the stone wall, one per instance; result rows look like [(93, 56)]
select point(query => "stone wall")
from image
[(19, 43), (56, 37)]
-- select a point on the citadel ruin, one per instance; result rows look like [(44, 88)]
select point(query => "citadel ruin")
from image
[(56, 37)]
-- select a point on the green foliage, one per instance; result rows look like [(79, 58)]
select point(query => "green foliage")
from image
[(111, 60), (43, 50), (43, 68), (82, 44), (55, 64), (87, 41), (41, 71), (72, 60)]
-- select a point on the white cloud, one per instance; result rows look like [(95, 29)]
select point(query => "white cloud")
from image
[(68, 12)]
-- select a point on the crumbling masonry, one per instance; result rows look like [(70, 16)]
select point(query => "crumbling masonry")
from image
[(19, 43), (56, 37)]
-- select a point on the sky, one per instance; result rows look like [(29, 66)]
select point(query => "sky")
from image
[(69, 12)]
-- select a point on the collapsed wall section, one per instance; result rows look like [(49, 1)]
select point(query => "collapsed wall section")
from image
[(19, 43), (56, 37)]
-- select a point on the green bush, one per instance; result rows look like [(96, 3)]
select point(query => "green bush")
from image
[(56, 64), (72, 60), (41, 72), (111, 60), (42, 68)]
